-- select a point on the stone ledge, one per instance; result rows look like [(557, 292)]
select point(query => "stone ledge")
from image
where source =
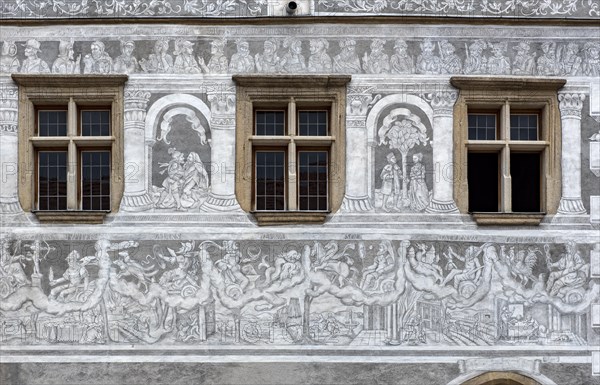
[(291, 81), (478, 82), (71, 217), (64, 81), (508, 219), (289, 218)]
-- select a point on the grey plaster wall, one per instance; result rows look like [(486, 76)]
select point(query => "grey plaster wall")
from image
[(390, 276)]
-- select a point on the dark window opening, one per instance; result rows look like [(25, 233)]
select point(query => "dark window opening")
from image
[(483, 182), (525, 176)]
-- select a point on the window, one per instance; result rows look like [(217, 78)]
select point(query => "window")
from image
[(507, 149), (70, 142), (290, 146)]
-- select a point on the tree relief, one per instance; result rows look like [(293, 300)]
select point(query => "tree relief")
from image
[(398, 186)]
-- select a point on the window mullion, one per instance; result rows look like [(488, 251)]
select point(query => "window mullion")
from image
[(72, 203), (292, 161), (72, 118), (72, 160), (506, 182)]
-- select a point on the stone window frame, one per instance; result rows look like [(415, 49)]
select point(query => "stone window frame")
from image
[(71, 91), (501, 93), (328, 91)]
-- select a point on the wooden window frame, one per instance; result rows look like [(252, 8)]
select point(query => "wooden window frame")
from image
[(520, 94), (292, 93), (73, 94)]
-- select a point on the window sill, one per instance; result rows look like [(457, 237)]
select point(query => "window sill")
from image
[(71, 217), (279, 218), (508, 219)]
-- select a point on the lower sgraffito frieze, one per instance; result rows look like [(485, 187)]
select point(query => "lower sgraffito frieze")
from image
[(403, 291)]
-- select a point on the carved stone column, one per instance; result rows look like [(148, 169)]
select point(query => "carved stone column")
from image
[(570, 105), (442, 201), (357, 195), (136, 196), (9, 200), (222, 182)]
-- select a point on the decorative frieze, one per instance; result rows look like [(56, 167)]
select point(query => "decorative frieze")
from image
[(465, 8), (303, 54), (166, 290), (30, 9)]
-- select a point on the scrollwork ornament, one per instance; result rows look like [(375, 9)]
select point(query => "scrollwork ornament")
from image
[(138, 8), (535, 8)]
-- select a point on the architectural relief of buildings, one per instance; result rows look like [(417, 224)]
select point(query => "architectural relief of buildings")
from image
[(230, 192)]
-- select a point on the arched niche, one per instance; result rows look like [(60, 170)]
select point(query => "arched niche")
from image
[(399, 105), (169, 102), (502, 378), (164, 138)]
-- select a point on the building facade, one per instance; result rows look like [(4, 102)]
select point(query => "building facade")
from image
[(350, 191)]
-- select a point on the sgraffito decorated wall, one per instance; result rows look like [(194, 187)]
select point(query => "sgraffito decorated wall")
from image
[(397, 275)]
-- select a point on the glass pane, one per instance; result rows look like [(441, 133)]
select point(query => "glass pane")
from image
[(52, 123), (52, 180), (270, 180), (95, 123), (312, 123), (312, 180), (482, 126), (524, 127), (95, 180), (270, 122)]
